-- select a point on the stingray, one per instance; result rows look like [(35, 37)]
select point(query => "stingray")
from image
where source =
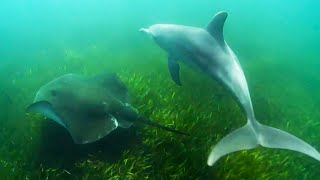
[(89, 107)]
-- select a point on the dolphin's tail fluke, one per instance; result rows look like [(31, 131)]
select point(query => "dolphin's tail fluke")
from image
[(252, 135)]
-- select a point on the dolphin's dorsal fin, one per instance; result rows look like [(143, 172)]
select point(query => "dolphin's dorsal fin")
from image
[(215, 27)]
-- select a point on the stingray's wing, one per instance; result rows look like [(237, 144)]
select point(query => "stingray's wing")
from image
[(87, 130), (46, 109), (84, 128), (88, 124), (113, 85)]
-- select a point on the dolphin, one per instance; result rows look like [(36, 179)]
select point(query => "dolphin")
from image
[(206, 50), (89, 108)]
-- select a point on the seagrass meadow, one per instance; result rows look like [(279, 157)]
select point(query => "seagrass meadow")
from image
[(44, 40)]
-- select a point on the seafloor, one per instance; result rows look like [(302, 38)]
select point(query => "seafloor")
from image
[(35, 148)]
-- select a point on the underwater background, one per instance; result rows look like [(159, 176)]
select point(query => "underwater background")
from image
[(277, 44)]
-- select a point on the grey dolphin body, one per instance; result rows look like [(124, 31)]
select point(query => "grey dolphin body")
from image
[(88, 107), (206, 49)]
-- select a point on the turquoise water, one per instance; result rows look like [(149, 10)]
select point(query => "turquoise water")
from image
[(277, 46)]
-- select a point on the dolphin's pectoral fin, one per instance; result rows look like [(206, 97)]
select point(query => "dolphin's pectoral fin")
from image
[(240, 139), (215, 27), (249, 137), (46, 109), (174, 69)]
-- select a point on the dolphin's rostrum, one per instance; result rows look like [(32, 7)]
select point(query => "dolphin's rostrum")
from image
[(206, 49)]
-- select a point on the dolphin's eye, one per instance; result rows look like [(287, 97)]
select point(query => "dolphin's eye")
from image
[(54, 93)]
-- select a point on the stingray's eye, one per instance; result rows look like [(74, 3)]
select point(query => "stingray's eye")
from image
[(53, 93)]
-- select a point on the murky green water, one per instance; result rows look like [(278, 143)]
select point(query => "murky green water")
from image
[(277, 46)]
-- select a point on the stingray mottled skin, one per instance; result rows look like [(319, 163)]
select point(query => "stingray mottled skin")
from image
[(207, 50), (88, 107)]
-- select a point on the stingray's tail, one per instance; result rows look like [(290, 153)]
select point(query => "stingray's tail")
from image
[(154, 124), (131, 114), (253, 134)]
